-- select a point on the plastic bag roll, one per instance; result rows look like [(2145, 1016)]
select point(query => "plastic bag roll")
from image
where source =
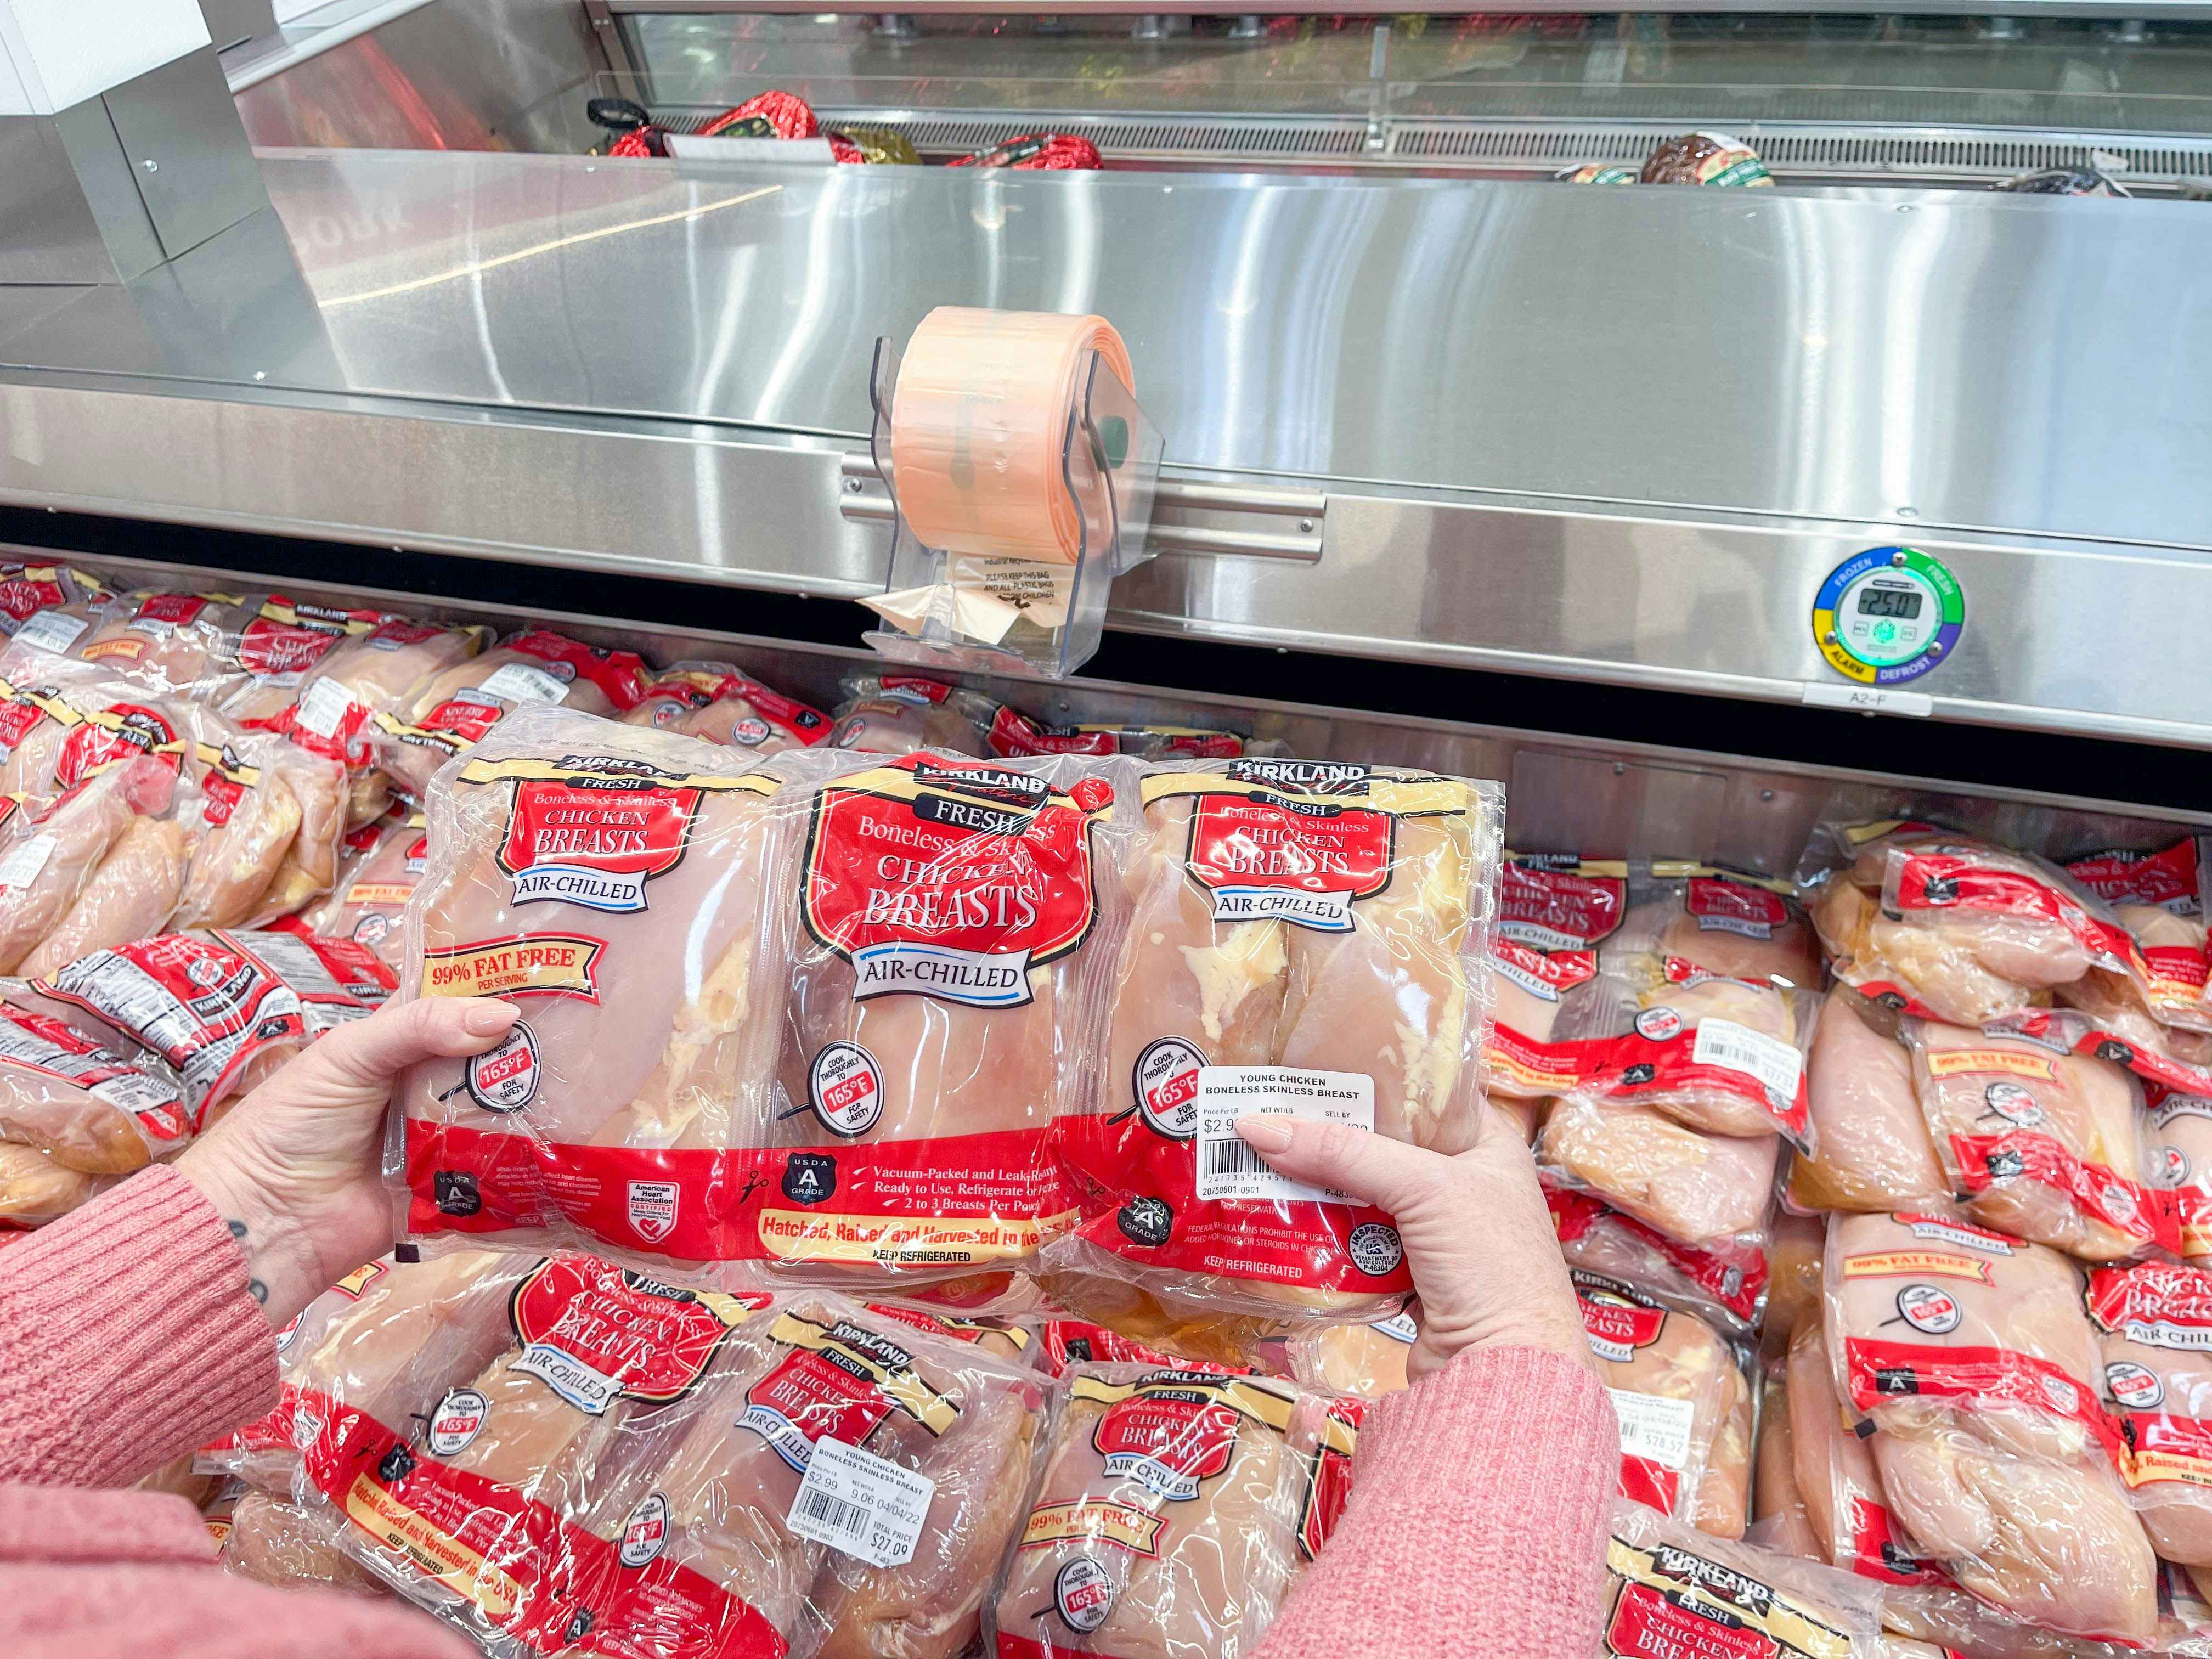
[(978, 420)]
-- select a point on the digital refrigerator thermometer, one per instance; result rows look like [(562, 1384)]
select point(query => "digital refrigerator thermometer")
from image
[(1889, 615)]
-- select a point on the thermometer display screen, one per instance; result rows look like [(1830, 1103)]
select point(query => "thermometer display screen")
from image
[(1900, 602)]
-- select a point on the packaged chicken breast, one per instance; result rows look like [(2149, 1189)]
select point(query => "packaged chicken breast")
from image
[(271, 1540), (223, 1008), (35, 1188), (1683, 1402), (1704, 1008), (611, 881), (1009, 1339), (1311, 939), (261, 1453), (1971, 1356), (268, 834), (1553, 913), (2046, 1145), (50, 850), (173, 641), (895, 713), (92, 1109), (1874, 1150), (1672, 1591), (359, 676), (2181, 1153), (1725, 1285), (1364, 1360), (1168, 1519), (2156, 896), (2155, 1327), (1796, 1257), (1065, 1342), (1834, 1473), (280, 645), (455, 707), (51, 606), (646, 1469), (1706, 1190), (945, 1005), (720, 703), (1778, 1517), (368, 903)]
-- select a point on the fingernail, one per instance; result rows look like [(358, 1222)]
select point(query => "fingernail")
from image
[(1265, 1134), (487, 1019)]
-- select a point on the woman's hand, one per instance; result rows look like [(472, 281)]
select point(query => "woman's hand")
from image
[(1478, 1237), (294, 1169)]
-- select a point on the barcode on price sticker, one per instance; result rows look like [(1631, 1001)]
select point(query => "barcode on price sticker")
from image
[(1228, 1169), (1734, 1047), (858, 1503), (1653, 1427)]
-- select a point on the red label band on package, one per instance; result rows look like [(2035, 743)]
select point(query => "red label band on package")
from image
[(1736, 1279), (964, 1200), (1557, 907), (530, 1575), (2168, 879), (1878, 1550), (1663, 1054), (1877, 1369), (1328, 1479), (1962, 881), (1994, 1160), (39, 1043), (1532, 1067)]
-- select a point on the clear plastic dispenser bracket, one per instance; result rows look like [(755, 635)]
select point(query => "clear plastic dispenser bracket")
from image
[(954, 611)]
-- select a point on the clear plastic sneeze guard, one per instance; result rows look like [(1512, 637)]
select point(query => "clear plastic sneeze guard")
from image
[(955, 609)]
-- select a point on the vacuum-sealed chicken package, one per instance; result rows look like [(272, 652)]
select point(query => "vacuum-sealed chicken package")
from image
[(224, 1008), (2046, 1145), (51, 849), (2154, 1326), (1704, 1006), (1168, 1519), (1874, 1150), (1553, 913), (945, 1006), (2157, 897), (643, 1469), (368, 904), (2181, 1153), (1713, 1192), (1672, 1591), (1779, 1520), (609, 880), (35, 1188), (281, 644), (173, 641), (1970, 1354), (262, 1452), (269, 835), (271, 1540), (1834, 1473), (89, 1108), (1682, 1399), (450, 713), (1724, 1285), (51, 606), (720, 703), (1364, 1360), (1797, 1255), (1310, 939), (896, 713), (358, 678)]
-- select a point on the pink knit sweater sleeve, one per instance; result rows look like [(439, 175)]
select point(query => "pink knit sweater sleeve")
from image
[(126, 1337), (1476, 1523)]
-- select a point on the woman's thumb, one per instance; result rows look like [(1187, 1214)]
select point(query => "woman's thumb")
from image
[(1395, 1178), (368, 1054)]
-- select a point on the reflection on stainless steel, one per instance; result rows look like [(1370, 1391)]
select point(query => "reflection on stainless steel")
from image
[(1563, 793), (1959, 355), (450, 74)]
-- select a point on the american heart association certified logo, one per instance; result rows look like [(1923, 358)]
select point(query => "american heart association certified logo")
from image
[(653, 1209)]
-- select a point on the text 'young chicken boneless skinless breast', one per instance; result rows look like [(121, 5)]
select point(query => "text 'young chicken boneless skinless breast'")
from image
[(609, 880), (1308, 938), (960, 919)]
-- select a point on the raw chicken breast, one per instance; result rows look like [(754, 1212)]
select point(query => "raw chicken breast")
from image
[(1166, 1524), (132, 893), (370, 903), (186, 642), (1645, 1348), (448, 715), (1874, 1151), (1779, 1520), (1736, 929), (276, 1542), (34, 1189), (234, 862), (2154, 1329), (88, 1108), (56, 856), (1895, 964), (610, 880), (2016, 1500), (1846, 1510), (1691, 1186), (418, 1324), (2016, 1125)]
